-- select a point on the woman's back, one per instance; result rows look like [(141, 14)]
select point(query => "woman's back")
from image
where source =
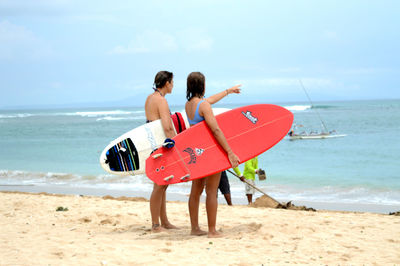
[(192, 109), (151, 107)]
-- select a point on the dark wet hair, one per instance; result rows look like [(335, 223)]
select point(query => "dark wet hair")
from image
[(195, 85), (161, 79)]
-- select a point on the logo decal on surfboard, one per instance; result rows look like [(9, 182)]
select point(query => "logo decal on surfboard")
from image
[(192, 155), (250, 116), (150, 138)]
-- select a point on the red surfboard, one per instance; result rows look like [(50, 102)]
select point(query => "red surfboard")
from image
[(250, 130)]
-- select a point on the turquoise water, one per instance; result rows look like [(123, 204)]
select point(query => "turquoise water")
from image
[(62, 148)]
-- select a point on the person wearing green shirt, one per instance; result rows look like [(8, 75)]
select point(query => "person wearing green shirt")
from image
[(249, 173)]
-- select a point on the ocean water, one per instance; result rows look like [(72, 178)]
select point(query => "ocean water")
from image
[(61, 148)]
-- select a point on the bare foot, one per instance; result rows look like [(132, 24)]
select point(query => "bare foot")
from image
[(169, 226), (198, 232), (156, 228), (215, 234)]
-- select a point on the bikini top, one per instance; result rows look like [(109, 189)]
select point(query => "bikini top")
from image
[(197, 117)]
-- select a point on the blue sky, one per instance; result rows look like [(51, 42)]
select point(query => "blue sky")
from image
[(57, 52)]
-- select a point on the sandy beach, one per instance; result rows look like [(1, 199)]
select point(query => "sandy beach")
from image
[(109, 231)]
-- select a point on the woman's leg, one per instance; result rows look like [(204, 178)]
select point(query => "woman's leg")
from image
[(194, 202), (212, 203), (163, 212), (156, 203)]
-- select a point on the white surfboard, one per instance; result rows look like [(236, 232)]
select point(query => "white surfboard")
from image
[(127, 154)]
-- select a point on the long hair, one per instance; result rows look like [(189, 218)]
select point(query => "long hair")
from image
[(161, 79), (195, 85)]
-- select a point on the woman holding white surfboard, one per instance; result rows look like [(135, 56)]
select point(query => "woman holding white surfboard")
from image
[(156, 107), (199, 109)]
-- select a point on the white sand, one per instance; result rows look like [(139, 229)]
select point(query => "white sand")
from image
[(97, 231)]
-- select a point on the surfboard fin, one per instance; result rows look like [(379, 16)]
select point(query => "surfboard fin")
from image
[(183, 178), (168, 178), (157, 155)]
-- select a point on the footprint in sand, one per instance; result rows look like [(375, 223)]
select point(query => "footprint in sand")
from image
[(85, 220), (246, 228)]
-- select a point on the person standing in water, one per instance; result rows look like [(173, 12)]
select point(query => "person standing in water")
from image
[(156, 107), (199, 109)]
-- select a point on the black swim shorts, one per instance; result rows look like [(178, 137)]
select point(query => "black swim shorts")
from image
[(224, 184)]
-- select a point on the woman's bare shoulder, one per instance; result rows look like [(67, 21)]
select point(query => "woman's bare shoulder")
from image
[(205, 108), (205, 105), (155, 99)]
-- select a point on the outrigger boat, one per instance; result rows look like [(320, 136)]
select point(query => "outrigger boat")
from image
[(312, 135), (325, 134)]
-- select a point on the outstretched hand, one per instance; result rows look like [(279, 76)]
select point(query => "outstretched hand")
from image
[(235, 89)]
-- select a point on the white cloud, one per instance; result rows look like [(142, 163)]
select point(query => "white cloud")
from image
[(149, 41), (17, 41), (156, 41), (200, 45), (330, 35), (14, 33), (285, 82), (195, 40), (289, 69), (272, 85), (366, 71), (56, 85), (34, 8)]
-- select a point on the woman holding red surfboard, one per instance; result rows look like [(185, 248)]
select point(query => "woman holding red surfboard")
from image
[(156, 107), (199, 109)]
